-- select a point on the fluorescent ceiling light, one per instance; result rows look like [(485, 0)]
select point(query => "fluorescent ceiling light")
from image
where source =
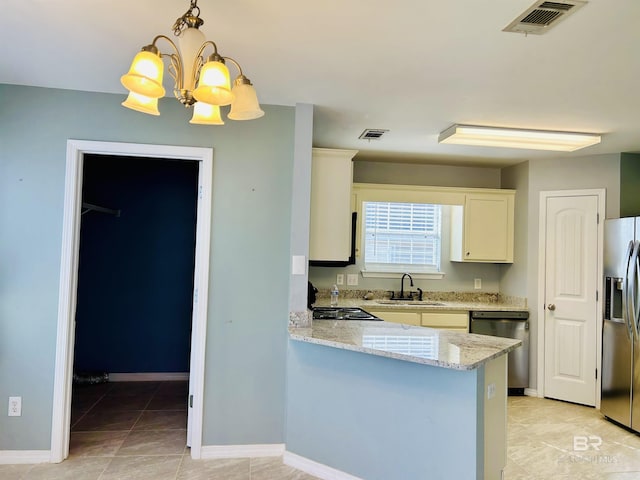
[(517, 138)]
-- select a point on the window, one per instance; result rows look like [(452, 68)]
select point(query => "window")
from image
[(402, 237)]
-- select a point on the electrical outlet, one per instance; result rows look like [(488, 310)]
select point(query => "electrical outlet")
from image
[(491, 390), (340, 279), (352, 279), (15, 406), (477, 283)]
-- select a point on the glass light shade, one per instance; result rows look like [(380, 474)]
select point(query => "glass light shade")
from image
[(140, 103), (145, 75), (245, 105), (205, 114), (214, 86), (189, 43)]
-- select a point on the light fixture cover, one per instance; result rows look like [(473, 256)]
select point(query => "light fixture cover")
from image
[(140, 103), (214, 86), (517, 138), (145, 75), (205, 114), (189, 42), (245, 105)]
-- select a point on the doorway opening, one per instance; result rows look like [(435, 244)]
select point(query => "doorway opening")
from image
[(80, 156), (134, 301)]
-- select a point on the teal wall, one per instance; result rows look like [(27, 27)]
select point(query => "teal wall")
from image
[(629, 181), (381, 419), (248, 301)]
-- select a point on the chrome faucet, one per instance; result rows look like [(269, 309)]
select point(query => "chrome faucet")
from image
[(402, 284)]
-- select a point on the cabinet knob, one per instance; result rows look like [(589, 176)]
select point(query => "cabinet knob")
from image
[(468, 253)]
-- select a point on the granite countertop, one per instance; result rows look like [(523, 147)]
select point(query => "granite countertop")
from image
[(428, 346)]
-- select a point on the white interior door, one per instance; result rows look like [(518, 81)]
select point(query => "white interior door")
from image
[(570, 312)]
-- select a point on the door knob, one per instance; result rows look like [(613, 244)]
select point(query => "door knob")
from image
[(551, 307)]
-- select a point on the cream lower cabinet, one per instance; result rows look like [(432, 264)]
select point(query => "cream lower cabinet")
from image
[(450, 320), (398, 316)]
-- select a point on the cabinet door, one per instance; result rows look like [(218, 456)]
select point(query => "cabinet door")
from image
[(330, 216), (408, 318), (449, 320), (489, 228), (482, 231)]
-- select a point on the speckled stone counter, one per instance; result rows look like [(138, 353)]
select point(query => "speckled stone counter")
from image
[(439, 348)]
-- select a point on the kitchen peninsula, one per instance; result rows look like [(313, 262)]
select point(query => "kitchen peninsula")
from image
[(379, 400)]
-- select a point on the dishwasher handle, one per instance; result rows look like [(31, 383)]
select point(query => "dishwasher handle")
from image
[(499, 315)]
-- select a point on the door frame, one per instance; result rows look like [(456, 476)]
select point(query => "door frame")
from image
[(600, 193), (76, 150)]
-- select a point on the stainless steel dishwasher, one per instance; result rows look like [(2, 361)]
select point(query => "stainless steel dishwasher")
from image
[(508, 325)]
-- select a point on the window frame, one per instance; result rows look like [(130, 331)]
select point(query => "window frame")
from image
[(371, 192)]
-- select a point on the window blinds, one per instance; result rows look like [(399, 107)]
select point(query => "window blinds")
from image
[(401, 235)]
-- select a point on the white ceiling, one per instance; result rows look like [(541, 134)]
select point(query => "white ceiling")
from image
[(414, 67)]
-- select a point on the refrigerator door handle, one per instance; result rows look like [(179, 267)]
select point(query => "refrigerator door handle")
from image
[(632, 274), (625, 292)]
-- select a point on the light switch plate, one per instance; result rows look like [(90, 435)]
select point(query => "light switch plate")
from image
[(340, 279), (352, 279), (477, 283), (298, 265)]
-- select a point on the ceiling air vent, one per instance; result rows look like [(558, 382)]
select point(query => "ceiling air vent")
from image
[(541, 16), (372, 134)]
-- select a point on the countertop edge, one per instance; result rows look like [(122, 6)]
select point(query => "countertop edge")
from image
[(296, 334)]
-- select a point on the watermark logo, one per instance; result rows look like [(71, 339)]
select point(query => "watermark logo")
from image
[(587, 448), (583, 443)]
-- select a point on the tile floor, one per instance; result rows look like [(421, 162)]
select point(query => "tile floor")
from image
[(137, 431), (548, 439)]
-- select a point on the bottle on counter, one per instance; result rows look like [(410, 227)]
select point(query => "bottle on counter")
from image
[(334, 296)]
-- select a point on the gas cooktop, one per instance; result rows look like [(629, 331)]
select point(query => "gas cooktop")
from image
[(342, 313)]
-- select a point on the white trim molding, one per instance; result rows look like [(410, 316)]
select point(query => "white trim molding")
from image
[(63, 373), (242, 451), (148, 376), (314, 468), (21, 457), (531, 392)]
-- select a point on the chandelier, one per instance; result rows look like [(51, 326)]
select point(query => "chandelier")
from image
[(199, 82)]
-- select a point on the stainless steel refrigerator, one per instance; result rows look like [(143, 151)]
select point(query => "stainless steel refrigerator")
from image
[(621, 330)]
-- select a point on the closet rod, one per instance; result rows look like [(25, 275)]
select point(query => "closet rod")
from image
[(96, 208)]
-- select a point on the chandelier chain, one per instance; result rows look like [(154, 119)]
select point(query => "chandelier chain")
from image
[(183, 22)]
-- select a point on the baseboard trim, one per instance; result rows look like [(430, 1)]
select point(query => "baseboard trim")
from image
[(241, 451), (531, 392), (15, 457), (314, 468), (148, 377)]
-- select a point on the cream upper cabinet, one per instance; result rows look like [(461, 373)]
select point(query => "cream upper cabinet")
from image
[(482, 230), (330, 222)]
